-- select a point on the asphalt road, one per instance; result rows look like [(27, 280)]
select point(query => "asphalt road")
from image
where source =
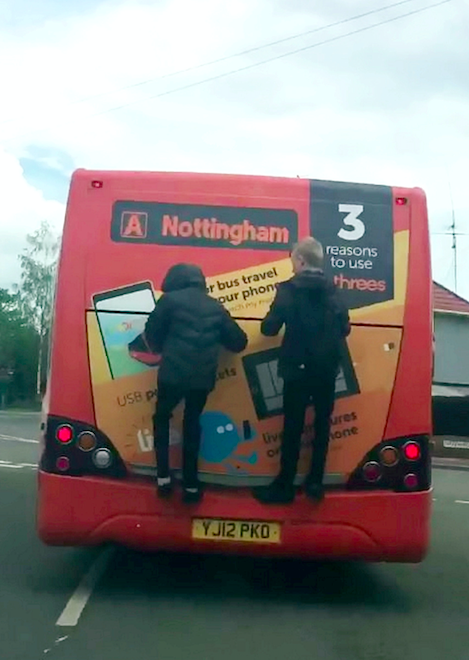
[(205, 608)]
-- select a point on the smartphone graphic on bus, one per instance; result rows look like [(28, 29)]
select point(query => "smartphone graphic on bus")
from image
[(266, 386), (122, 314)]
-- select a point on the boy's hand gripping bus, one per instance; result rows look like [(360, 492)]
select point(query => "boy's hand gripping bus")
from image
[(123, 230)]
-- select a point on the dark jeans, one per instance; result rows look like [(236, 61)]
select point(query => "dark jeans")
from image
[(297, 395), (168, 398)]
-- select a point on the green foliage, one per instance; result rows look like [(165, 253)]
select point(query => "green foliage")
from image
[(38, 270), (19, 347), (26, 316), (36, 293)]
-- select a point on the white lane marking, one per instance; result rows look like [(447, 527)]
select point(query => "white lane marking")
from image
[(82, 593), (16, 413), (13, 438), (18, 466), (58, 641), (461, 501)]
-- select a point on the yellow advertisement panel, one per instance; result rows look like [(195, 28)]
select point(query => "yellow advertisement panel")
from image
[(242, 422)]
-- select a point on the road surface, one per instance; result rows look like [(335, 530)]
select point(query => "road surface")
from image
[(207, 608)]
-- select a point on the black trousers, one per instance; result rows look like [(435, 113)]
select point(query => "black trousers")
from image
[(169, 397), (297, 396)]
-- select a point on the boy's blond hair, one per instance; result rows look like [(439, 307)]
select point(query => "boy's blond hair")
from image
[(310, 250)]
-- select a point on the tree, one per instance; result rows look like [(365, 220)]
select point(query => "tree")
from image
[(10, 321), (19, 344), (36, 293)]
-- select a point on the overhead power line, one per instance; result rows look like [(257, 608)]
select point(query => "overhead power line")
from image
[(273, 58), (225, 58), (254, 65)]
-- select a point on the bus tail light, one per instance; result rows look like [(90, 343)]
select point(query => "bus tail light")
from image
[(76, 449), (64, 434), (62, 463), (401, 201), (411, 451), (87, 441), (389, 456), (411, 481), (102, 458), (401, 464), (372, 471)]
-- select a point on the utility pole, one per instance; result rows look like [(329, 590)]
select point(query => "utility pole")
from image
[(454, 245)]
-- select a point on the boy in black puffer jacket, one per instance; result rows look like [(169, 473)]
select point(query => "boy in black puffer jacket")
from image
[(188, 328), (316, 324)]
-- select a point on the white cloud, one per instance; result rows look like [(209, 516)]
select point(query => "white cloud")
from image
[(389, 105), (22, 209)]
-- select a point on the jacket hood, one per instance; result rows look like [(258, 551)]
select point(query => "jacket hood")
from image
[(313, 280), (183, 276)]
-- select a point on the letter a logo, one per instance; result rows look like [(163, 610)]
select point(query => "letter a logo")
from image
[(134, 224)]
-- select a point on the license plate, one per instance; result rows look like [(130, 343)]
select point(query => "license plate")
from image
[(235, 530)]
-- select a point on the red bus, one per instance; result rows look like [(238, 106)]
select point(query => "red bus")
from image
[(122, 231)]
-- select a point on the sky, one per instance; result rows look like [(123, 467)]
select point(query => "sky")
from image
[(183, 85)]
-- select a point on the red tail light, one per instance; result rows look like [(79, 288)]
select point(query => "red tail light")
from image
[(398, 464), (64, 434), (411, 481), (62, 464), (372, 471), (401, 201), (76, 448), (412, 451)]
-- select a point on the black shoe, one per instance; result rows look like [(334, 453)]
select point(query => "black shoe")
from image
[(275, 493), (165, 490), (192, 495), (314, 491)]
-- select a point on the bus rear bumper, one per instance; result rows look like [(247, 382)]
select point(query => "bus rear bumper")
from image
[(377, 526)]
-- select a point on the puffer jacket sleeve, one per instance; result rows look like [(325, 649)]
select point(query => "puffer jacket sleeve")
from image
[(233, 337), (157, 325), (277, 314)]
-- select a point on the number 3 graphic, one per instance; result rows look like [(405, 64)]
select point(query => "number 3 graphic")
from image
[(352, 219)]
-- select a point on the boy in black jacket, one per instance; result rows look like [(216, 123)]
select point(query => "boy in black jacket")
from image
[(316, 324), (188, 328)]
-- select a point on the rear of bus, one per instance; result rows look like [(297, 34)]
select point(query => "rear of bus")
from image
[(123, 230)]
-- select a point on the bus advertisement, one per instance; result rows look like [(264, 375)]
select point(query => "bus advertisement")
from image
[(122, 232)]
